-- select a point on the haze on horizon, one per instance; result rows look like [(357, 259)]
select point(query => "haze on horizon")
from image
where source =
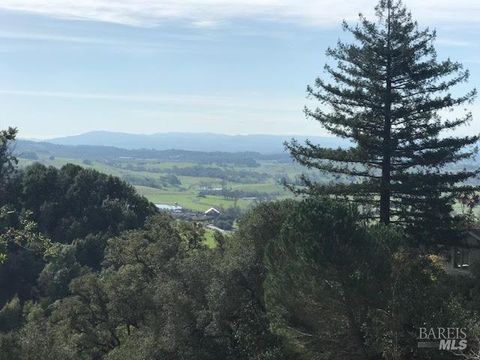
[(209, 66)]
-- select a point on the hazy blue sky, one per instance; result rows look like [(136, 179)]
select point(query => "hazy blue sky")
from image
[(224, 66)]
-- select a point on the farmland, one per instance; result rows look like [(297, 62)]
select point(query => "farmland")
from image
[(192, 185)]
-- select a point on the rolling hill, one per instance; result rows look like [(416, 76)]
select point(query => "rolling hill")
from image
[(266, 144)]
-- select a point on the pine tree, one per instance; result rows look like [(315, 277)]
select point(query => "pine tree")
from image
[(388, 93)]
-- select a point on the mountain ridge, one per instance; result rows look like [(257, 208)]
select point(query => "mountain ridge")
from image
[(262, 143)]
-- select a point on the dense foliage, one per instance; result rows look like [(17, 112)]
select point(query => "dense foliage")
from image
[(338, 289), (297, 280), (301, 280), (71, 202), (43, 206)]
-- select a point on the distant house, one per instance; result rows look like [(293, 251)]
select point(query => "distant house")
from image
[(212, 212), (460, 257), (180, 213)]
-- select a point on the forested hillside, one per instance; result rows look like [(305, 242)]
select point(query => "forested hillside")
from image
[(297, 280)]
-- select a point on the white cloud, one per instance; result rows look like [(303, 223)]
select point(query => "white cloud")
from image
[(208, 13), (122, 45), (59, 38)]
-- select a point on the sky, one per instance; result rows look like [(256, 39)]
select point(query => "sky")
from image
[(219, 66)]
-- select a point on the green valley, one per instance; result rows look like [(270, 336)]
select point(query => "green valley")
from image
[(192, 183)]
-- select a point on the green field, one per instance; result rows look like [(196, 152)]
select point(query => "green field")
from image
[(187, 192), (188, 199)]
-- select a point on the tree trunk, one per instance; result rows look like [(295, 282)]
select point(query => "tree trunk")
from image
[(385, 192)]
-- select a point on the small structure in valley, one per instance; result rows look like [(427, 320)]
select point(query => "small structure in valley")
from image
[(212, 212), (178, 212)]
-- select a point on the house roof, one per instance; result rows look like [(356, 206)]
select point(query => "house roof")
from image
[(212, 210), (471, 239)]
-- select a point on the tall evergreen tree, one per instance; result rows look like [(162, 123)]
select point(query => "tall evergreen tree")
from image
[(389, 94)]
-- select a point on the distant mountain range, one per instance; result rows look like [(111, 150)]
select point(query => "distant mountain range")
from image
[(207, 142)]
